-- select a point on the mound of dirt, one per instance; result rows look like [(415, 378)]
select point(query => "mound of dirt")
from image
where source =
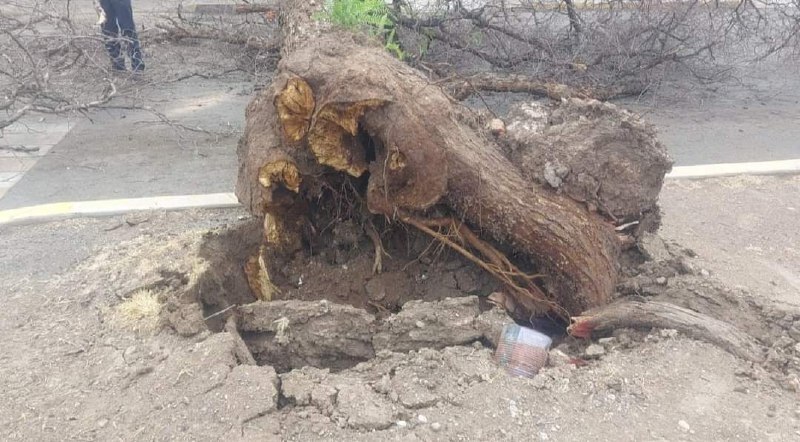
[(606, 156)]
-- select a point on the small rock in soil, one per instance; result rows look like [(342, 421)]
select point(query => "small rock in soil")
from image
[(497, 127), (772, 411), (705, 273), (685, 267), (436, 426), (551, 175), (785, 342), (364, 408), (653, 247), (422, 419), (557, 358), (375, 289), (384, 385), (661, 280), (793, 384), (401, 424), (684, 425), (466, 281), (668, 333), (594, 351), (794, 332), (607, 341)]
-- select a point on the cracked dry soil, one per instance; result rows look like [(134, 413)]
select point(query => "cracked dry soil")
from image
[(410, 368)]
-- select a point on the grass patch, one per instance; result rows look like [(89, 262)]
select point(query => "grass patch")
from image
[(370, 16), (139, 313)]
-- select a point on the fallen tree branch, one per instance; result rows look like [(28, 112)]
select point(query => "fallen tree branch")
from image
[(175, 31), (20, 149), (641, 314), (255, 8), (19, 113), (463, 87)]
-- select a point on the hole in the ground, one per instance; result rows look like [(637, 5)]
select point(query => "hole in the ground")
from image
[(340, 270), (338, 266)]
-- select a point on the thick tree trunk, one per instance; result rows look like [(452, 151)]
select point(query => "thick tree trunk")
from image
[(332, 88)]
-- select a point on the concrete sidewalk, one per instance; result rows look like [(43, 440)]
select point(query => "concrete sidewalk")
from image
[(24, 143)]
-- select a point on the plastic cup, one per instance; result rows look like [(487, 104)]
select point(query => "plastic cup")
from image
[(522, 351)]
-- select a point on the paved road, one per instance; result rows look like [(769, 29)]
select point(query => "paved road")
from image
[(120, 154), (126, 154)]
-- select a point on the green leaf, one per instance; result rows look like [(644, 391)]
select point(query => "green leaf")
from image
[(370, 16)]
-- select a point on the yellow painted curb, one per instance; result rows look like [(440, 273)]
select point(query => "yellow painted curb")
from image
[(54, 211)]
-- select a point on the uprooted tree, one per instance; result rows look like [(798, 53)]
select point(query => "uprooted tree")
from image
[(545, 202), (342, 110)]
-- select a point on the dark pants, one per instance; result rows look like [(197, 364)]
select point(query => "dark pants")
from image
[(119, 27)]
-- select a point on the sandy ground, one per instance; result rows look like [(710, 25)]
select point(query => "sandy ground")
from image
[(745, 228), (71, 369)]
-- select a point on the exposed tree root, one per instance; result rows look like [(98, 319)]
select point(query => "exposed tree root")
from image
[(177, 31), (521, 285), (255, 269), (375, 237), (639, 313)]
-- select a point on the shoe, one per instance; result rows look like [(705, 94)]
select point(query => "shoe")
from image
[(137, 66)]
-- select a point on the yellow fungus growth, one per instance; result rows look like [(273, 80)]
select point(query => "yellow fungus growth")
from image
[(295, 105)]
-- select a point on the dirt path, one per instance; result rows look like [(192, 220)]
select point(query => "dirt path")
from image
[(746, 230)]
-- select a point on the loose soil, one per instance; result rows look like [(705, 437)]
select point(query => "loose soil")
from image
[(70, 371)]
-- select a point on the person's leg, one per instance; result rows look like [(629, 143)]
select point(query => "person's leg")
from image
[(128, 29), (111, 36)]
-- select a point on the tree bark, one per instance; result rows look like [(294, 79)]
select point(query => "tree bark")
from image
[(634, 313), (463, 87), (256, 8), (332, 88)]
